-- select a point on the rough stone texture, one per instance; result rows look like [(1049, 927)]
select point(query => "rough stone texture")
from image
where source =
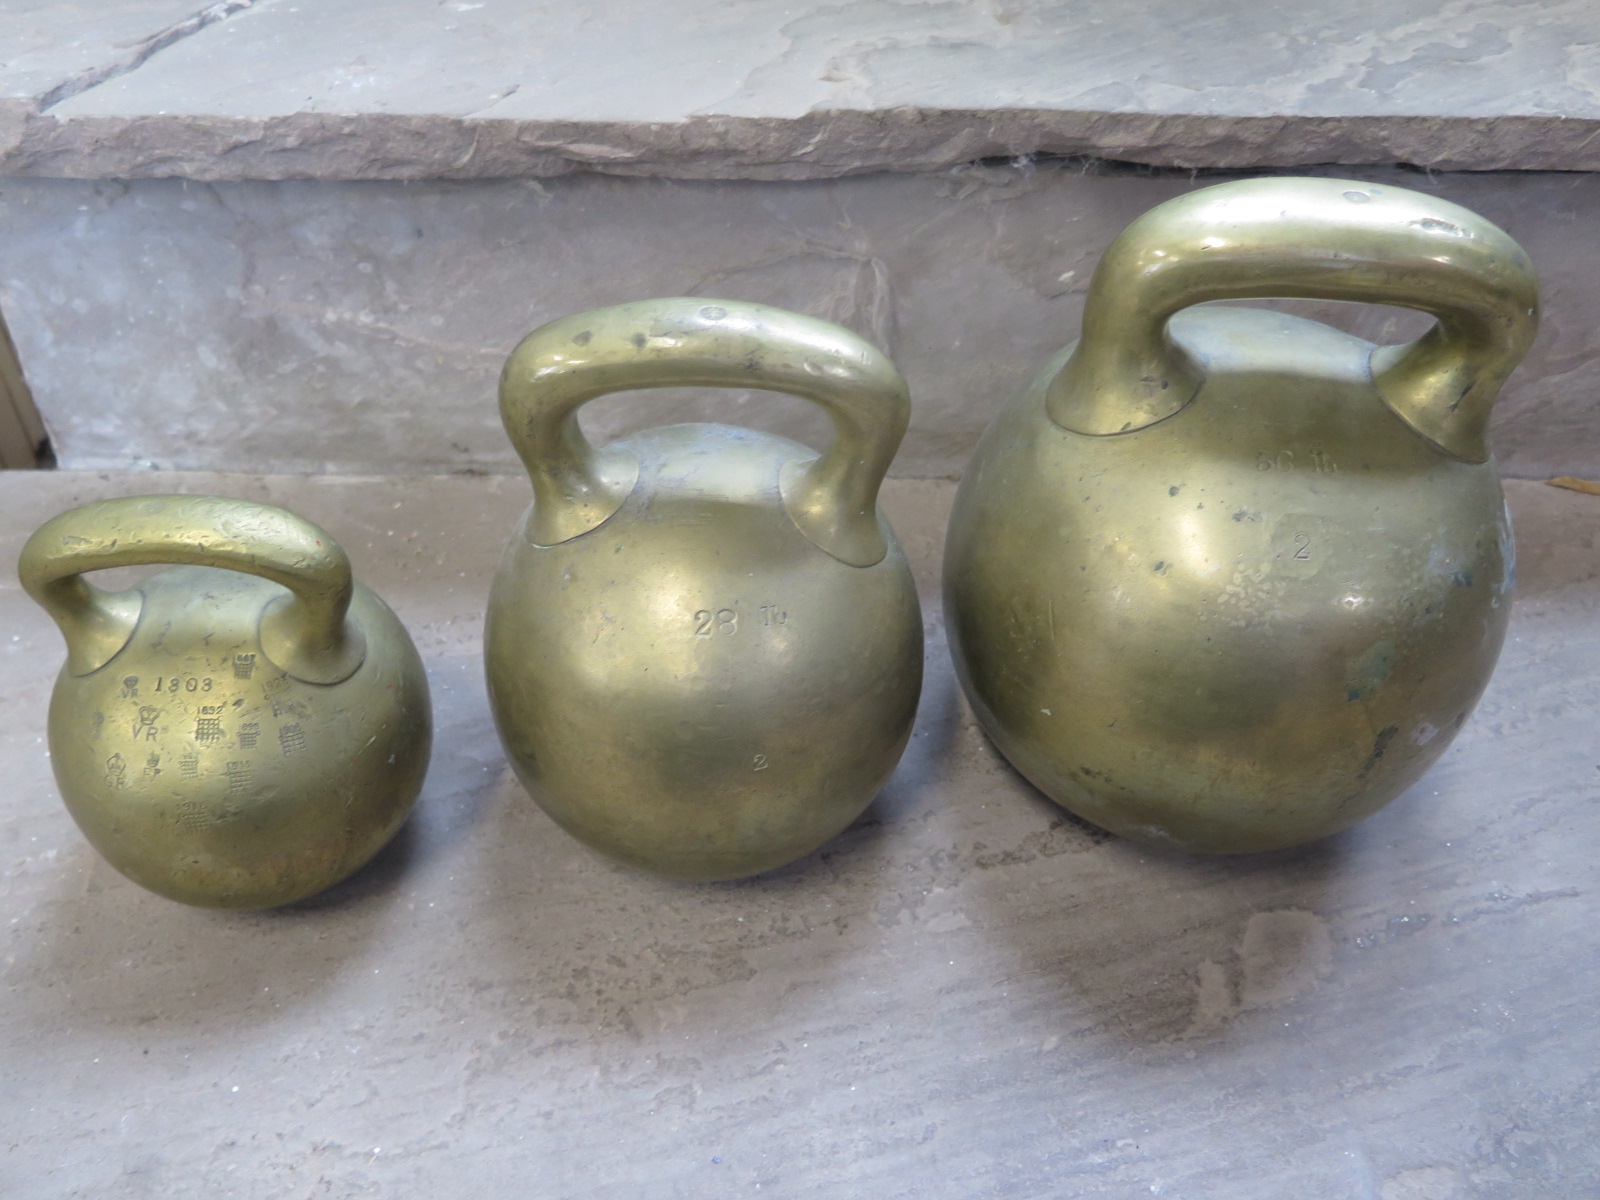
[(769, 89), (52, 49), (967, 995), (361, 326)]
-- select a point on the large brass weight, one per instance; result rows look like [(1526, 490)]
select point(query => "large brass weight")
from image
[(1229, 580), (239, 731), (703, 644)]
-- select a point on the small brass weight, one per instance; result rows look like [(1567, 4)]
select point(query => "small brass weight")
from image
[(1229, 580), (241, 730), (703, 644)]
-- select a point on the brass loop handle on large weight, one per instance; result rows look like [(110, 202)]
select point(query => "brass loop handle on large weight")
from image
[(693, 342), (305, 633), (1330, 239)]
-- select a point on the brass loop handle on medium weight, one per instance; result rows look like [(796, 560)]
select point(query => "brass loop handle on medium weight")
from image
[(1328, 239), (305, 633), (686, 341)]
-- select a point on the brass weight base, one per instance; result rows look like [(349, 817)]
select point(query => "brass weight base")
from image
[(966, 993)]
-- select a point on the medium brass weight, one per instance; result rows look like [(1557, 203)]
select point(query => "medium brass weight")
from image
[(704, 647), (241, 730), (1228, 580)]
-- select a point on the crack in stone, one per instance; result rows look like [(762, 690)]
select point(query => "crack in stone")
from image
[(142, 52), (484, 109)]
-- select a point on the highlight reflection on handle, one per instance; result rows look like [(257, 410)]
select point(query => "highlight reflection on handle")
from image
[(305, 633), (686, 341), (1330, 239)]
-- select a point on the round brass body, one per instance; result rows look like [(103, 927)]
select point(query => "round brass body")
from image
[(1252, 620), (693, 685), (196, 763)]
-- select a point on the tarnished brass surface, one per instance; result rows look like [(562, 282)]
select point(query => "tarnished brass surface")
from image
[(239, 731), (1230, 580), (703, 644)]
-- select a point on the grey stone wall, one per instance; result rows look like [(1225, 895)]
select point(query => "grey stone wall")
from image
[(359, 326)]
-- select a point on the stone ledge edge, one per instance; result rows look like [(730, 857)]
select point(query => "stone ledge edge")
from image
[(818, 145)]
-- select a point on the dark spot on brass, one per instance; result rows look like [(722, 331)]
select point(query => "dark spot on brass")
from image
[(1381, 742)]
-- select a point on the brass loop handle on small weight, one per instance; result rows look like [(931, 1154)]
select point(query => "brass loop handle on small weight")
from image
[(686, 341), (305, 633), (1330, 239)]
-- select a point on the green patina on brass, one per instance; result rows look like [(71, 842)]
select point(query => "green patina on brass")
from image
[(241, 730), (1229, 580), (704, 648)]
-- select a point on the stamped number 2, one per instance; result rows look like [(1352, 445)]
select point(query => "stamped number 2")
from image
[(708, 622)]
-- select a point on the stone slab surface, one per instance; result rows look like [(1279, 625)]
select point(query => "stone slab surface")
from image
[(51, 49), (357, 89), (967, 995), (360, 327)]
